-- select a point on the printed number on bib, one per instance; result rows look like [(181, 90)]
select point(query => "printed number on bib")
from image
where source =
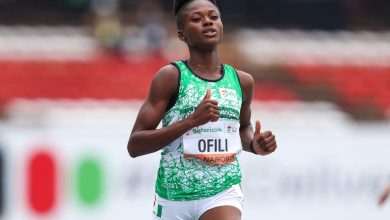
[(214, 143)]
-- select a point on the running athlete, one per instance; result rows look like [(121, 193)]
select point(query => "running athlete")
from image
[(205, 111)]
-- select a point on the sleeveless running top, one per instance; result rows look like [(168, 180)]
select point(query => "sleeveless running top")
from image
[(189, 178)]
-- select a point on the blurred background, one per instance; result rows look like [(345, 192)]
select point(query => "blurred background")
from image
[(73, 74)]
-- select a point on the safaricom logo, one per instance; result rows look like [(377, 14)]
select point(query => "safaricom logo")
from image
[(206, 130)]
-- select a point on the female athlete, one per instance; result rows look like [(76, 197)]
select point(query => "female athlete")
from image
[(204, 107)]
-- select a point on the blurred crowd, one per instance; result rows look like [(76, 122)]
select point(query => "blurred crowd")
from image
[(296, 49), (305, 14)]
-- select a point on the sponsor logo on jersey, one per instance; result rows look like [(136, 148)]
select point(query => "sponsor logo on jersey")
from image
[(229, 94)]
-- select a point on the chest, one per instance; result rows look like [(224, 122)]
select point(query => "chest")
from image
[(226, 93)]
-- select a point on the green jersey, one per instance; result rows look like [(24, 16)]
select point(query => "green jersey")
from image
[(181, 178)]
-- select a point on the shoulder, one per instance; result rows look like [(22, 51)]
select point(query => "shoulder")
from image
[(246, 79), (164, 83), (167, 73), (247, 84)]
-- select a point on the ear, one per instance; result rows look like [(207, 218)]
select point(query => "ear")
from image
[(181, 36)]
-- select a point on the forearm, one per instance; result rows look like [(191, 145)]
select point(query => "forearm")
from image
[(246, 134), (149, 141)]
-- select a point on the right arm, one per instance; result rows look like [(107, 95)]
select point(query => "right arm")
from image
[(145, 138)]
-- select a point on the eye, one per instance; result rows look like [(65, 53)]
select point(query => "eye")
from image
[(214, 17), (196, 19)]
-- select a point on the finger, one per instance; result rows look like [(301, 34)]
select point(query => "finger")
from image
[(265, 140), (265, 145), (211, 107), (271, 150), (214, 111), (266, 134), (214, 116), (207, 96), (257, 129), (213, 102), (271, 147), (269, 139)]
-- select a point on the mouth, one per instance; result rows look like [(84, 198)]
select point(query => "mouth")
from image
[(209, 32)]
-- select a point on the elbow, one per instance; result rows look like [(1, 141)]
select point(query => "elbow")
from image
[(132, 152)]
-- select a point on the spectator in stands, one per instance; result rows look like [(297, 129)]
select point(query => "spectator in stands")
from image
[(107, 25), (152, 26)]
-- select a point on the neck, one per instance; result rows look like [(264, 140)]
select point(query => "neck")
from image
[(206, 62)]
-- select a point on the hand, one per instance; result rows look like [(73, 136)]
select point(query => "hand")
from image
[(264, 143), (206, 111), (383, 197)]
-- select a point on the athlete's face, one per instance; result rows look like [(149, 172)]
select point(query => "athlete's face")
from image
[(202, 25)]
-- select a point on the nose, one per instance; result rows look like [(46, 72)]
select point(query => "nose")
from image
[(207, 22)]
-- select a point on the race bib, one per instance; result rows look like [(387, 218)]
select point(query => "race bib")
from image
[(214, 143)]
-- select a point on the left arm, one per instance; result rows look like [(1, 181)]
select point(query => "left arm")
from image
[(263, 143)]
